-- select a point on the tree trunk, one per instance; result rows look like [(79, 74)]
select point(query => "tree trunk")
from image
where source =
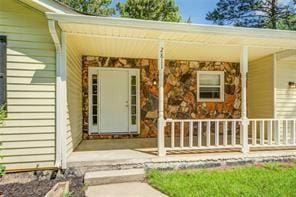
[(273, 14)]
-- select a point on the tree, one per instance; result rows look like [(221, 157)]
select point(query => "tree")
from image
[(92, 7), (254, 13), (160, 10)]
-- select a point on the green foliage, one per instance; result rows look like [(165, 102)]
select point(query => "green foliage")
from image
[(161, 10), (2, 116), (68, 194), (270, 180), (92, 7), (274, 14)]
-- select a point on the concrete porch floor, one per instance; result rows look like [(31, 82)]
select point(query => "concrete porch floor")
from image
[(110, 154)]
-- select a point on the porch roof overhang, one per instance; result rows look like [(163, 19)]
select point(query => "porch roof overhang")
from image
[(121, 37)]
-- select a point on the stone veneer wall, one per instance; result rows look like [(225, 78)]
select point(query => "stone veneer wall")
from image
[(180, 90)]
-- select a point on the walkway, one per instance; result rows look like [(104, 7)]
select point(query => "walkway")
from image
[(132, 189)]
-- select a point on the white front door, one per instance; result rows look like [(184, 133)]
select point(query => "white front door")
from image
[(113, 100)]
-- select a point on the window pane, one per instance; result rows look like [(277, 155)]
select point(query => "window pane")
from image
[(95, 119), (134, 109), (94, 89), (134, 90), (209, 93), (207, 79), (134, 120), (134, 100), (95, 99), (94, 110), (134, 80)]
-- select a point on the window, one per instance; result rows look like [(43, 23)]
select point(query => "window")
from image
[(210, 86), (94, 97), (133, 100), (2, 70)]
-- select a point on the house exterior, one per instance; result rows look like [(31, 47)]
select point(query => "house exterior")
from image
[(68, 77)]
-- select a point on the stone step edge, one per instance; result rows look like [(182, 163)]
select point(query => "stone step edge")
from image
[(113, 176)]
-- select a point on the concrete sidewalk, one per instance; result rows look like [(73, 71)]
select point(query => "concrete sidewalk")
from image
[(132, 189)]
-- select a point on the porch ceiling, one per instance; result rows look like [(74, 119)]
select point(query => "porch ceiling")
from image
[(140, 39)]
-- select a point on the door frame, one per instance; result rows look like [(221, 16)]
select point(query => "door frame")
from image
[(132, 129)]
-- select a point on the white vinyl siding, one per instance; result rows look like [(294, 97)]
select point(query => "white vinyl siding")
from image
[(285, 96), (74, 94), (28, 133), (260, 88)]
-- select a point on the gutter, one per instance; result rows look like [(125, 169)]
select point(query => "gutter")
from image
[(60, 157)]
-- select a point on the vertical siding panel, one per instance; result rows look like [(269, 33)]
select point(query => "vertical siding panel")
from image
[(74, 94), (260, 88)]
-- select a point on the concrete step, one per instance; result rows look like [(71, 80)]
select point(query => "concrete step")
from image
[(113, 176)]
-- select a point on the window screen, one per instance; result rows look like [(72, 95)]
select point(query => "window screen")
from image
[(2, 70)]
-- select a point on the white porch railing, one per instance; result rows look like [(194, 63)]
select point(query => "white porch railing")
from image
[(203, 134), (207, 134), (272, 132)]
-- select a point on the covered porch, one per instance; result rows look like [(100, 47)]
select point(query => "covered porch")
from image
[(163, 65)]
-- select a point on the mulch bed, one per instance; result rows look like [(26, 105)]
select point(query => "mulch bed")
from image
[(28, 185)]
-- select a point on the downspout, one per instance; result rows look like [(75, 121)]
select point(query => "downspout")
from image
[(58, 121)]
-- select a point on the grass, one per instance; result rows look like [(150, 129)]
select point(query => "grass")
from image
[(266, 180)]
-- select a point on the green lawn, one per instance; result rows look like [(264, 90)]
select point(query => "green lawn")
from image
[(266, 180)]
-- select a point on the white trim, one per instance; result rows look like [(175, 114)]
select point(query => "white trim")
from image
[(58, 128), (63, 104), (244, 64), (161, 121), (49, 5), (222, 84), (131, 71), (173, 27)]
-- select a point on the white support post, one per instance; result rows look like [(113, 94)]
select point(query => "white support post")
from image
[(61, 94), (161, 123), (245, 121), (63, 98)]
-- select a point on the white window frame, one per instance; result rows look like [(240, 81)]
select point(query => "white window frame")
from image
[(221, 73)]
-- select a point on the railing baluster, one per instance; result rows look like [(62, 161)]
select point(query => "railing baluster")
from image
[(190, 134), (233, 133), (262, 132), (285, 134), (241, 133), (269, 132), (278, 133), (254, 132), (217, 124), (294, 132), (182, 134), (199, 134), (225, 124), (173, 135), (208, 135)]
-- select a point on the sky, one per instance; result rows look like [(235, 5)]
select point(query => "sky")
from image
[(196, 9)]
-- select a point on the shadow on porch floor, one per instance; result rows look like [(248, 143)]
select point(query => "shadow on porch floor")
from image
[(117, 144)]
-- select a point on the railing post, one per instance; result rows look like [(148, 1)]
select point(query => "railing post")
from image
[(161, 121), (245, 121)]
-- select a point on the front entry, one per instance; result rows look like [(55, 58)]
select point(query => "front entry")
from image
[(114, 101)]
